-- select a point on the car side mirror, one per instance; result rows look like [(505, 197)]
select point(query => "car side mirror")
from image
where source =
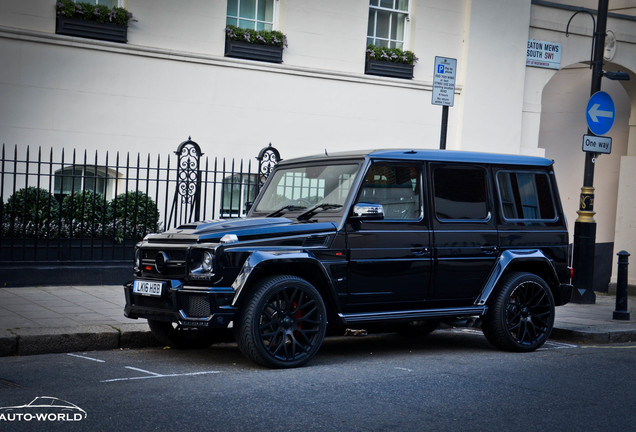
[(368, 211)]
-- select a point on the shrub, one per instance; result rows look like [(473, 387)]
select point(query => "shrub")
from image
[(393, 55), (88, 207), (93, 12), (258, 37), (134, 214), (31, 205)]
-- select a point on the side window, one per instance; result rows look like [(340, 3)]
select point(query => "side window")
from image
[(396, 187), (525, 195), (460, 193)]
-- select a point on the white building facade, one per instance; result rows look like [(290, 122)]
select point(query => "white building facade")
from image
[(172, 79)]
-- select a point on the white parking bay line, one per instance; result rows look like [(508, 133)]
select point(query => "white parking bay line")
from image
[(141, 370), (156, 375), (556, 345), (86, 358)]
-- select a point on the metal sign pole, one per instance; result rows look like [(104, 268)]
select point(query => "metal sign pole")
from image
[(442, 139)]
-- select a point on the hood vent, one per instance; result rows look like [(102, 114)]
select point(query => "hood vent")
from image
[(316, 241)]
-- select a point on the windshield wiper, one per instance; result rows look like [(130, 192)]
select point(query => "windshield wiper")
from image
[(317, 208), (281, 211)]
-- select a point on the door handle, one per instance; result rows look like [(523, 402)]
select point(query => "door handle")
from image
[(421, 251), (489, 249)]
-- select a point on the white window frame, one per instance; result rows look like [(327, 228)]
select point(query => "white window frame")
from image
[(255, 21), (407, 19)]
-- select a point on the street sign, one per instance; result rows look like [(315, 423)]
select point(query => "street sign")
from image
[(444, 81), (597, 144), (600, 113), (543, 54)]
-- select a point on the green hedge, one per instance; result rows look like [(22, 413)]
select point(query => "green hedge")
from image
[(36, 213)]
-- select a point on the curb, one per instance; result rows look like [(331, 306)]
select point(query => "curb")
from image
[(595, 335), (107, 337), (31, 341)]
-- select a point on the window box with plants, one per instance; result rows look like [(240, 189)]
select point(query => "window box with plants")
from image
[(92, 21), (262, 45), (389, 62)]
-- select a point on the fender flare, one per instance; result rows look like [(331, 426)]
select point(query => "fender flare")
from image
[(504, 261), (260, 258)]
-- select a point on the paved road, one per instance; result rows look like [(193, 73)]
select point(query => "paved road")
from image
[(451, 380)]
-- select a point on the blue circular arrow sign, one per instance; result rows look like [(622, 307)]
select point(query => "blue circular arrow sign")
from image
[(600, 113)]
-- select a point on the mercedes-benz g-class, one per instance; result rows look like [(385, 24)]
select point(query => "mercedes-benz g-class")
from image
[(402, 237)]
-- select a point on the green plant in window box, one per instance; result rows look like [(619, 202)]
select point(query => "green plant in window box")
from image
[(389, 62), (92, 12), (249, 44), (257, 37), (393, 55)]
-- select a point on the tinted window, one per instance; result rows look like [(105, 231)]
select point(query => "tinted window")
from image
[(525, 195), (460, 193), (396, 187)]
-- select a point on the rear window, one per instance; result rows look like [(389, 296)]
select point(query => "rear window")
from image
[(526, 195)]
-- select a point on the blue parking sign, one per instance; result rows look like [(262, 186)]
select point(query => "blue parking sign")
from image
[(440, 69)]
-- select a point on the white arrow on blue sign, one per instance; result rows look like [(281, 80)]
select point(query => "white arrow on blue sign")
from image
[(600, 113)]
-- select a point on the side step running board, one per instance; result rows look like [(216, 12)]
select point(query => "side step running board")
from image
[(413, 314)]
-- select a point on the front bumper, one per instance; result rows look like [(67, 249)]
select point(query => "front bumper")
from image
[(188, 306)]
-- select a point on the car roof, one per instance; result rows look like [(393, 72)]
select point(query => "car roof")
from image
[(428, 155)]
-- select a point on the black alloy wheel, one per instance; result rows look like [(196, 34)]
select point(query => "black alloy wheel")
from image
[(521, 315), (283, 323)]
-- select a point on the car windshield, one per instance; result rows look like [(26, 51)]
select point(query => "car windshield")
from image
[(301, 188)]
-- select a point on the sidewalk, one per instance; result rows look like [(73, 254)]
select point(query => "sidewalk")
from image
[(87, 318)]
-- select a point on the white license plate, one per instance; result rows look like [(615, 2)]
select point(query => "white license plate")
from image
[(147, 288)]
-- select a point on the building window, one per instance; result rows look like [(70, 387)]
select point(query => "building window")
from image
[(80, 178), (387, 23), (251, 14), (237, 193)]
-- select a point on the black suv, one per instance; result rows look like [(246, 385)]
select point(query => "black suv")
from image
[(406, 238)]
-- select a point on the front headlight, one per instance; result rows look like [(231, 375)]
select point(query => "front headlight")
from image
[(206, 263), (201, 264), (137, 258)]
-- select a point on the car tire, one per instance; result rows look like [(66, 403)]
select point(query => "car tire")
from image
[(170, 334), (521, 315), (283, 323)]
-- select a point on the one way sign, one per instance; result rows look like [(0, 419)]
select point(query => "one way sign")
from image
[(600, 113)]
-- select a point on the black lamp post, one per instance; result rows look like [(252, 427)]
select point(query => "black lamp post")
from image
[(585, 225)]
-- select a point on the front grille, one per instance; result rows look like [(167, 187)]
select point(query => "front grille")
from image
[(195, 305), (175, 265)]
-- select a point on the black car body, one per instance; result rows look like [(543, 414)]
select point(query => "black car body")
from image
[(404, 237)]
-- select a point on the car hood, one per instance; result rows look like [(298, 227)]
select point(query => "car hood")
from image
[(244, 229)]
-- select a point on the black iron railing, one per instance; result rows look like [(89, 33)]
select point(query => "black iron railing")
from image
[(58, 207)]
